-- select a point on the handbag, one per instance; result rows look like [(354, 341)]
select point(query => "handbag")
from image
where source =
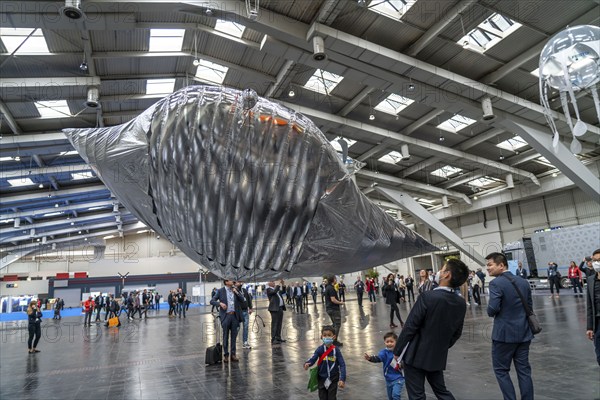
[(313, 374), (534, 324)]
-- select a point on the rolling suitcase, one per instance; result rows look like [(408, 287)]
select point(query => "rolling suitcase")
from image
[(214, 354)]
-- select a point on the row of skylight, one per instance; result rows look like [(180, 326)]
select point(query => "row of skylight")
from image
[(20, 182), (448, 171), (172, 39), (489, 33)]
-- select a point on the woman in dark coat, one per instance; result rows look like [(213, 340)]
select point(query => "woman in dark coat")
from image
[(35, 326), (390, 291)]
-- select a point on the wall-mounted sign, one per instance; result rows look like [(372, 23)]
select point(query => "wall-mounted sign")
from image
[(12, 285)]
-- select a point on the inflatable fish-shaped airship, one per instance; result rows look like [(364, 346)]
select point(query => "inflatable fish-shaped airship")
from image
[(243, 186)]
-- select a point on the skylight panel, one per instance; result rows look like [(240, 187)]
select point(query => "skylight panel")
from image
[(446, 171), (456, 123), (20, 182), (230, 28), (323, 82), (393, 104), (166, 39), (512, 144), (211, 72), (392, 157), (337, 146), (53, 214), (426, 201), (15, 37), (489, 33), (77, 176), (393, 9), (6, 159), (69, 153), (536, 72), (53, 109), (482, 182), (160, 86)]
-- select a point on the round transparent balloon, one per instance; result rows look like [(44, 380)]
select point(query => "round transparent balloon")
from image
[(572, 55)]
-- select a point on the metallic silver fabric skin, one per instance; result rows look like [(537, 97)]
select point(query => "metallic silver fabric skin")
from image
[(247, 188)]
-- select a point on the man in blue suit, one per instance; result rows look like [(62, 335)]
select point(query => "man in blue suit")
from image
[(511, 335), (229, 301)]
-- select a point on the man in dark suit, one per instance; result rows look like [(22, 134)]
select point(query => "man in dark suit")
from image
[(511, 335), (522, 272), (276, 308), (433, 326), (229, 301)]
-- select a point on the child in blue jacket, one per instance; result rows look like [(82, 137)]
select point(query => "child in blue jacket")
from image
[(332, 370), (392, 372)]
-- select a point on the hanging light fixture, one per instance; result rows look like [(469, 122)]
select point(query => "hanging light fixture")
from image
[(372, 112), (465, 43), (291, 93), (196, 61)]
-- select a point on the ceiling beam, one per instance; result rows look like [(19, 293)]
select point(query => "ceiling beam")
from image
[(405, 131), (547, 186), (437, 28), (395, 181), (8, 199), (59, 222), (559, 156), (14, 127), (47, 170), (381, 133), (11, 84)]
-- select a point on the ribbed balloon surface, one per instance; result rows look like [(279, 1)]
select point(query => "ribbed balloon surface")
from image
[(243, 186)]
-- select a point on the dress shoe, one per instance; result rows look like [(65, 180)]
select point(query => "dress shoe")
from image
[(226, 359), (393, 326), (233, 358)]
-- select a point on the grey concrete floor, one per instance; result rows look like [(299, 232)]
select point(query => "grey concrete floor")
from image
[(163, 358)]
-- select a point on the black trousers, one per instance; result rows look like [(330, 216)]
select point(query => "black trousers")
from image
[(330, 393), (87, 319), (336, 319), (476, 295), (299, 304), (359, 295), (342, 296), (554, 282), (410, 292), (276, 324), (576, 283), (98, 311), (415, 383), (394, 309), (35, 330)]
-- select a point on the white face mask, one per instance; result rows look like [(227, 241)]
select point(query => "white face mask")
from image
[(596, 265), (436, 277)]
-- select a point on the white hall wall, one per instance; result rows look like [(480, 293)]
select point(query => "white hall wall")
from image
[(566, 208)]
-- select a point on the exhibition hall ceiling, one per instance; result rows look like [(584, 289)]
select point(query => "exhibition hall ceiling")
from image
[(401, 82)]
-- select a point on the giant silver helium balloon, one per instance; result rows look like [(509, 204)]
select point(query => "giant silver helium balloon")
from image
[(243, 186)]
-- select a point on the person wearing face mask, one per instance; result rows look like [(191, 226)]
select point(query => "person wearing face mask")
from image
[(434, 324), (331, 364), (593, 304), (34, 315)]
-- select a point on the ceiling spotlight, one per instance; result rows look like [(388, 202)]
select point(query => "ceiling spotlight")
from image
[(72, 223), (411, 87), (17, 158), (83, 66), (196, 62), (465, 44), (56, 205), (517, 152), (362, 3), (208, 11), (501, 157), (72, 9), (554, 174), (442, 138), (41, 185), (85, 239), (475, 197), (79, 232), (371, 116), (291, 93)]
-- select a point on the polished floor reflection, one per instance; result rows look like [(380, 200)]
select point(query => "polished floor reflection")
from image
[(163, 358)]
